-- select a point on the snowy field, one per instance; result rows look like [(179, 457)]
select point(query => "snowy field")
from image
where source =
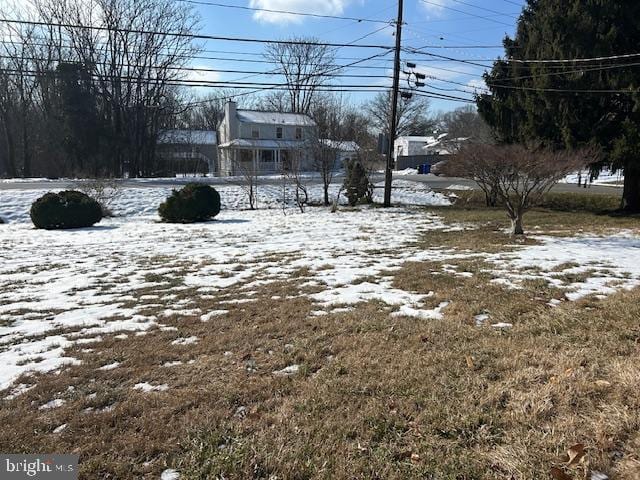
[(64, 288), (144, 201)]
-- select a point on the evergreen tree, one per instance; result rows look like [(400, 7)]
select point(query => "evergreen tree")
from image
[(356, 183), (539, 102)]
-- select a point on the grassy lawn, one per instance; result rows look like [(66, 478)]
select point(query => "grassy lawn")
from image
[(375, 396)]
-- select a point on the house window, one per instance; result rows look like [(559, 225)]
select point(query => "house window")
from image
[(279, 132), (255, 133), (298, 133), (267, 156)]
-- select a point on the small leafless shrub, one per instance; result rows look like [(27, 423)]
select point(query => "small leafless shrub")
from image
[(516, 176), (105, 191), (249, 174), (293, 174)]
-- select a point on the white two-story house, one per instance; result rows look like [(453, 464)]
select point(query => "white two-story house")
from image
[(264, 142)]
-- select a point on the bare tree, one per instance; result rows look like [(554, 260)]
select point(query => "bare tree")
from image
[(465, 122), (249, 174), (413, 115), (207, 113), (294, 182), (301, 193), (306, 65), (325, 160), (519, 176), (329, 114), (17, 103)]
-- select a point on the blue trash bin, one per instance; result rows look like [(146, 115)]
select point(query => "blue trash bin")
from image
[(424, 169)]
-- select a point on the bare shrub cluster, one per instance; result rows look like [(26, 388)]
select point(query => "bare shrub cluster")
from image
[(516, 176)]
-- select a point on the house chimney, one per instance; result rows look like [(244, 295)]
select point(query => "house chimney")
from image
[(231, 116)]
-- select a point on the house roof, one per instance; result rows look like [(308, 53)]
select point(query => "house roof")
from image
[(275, 118), (429, 140), (445, 146), (188, 137), (342, 146), (264, 144)]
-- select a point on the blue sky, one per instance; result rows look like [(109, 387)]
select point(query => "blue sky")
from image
[(460, 24)]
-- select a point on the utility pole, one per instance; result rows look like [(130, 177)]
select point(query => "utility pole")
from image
[(388, 178)]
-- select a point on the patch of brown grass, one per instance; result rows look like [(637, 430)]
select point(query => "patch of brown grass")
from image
[(377, 397)]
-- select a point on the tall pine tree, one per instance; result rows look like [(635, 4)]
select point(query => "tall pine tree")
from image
[(538, 102)]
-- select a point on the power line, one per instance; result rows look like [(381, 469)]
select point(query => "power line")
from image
[(214, 83), (277, 69), (513, 3), (485, 9), (285, 12), (192, 36), (444, 57), (202, 70), (199, 57), (306, 78), (488, 18), (574, 60), (269, 87), (539, 89)]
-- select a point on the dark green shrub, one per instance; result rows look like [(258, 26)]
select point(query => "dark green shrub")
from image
[(195, 202), (68, 209), (356, 183)]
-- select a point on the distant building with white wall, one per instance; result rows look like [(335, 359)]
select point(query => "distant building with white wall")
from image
[(413, 151), (187, 152)]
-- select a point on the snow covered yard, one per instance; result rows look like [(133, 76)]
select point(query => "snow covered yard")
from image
[(263, 322)]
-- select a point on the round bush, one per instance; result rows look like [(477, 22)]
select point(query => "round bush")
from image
[(68, 209), (195, 202)]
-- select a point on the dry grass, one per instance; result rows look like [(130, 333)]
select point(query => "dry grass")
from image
[(376, 396)]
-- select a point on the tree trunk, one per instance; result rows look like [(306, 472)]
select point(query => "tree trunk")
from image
[(326, 194), (26, 154), (631, 194), (11, 149), (516, 225)]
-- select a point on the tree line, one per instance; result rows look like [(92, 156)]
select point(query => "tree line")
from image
[(85, 92)]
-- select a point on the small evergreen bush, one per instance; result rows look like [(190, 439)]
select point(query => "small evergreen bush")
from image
[(356, 184), (68, 209), (195, 202)]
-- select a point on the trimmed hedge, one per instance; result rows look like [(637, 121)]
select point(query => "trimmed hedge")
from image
[(195, 202), (64, 210)]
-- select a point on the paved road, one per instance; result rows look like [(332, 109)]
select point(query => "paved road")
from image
[(436, 183)]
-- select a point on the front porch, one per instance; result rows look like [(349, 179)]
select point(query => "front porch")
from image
[(241, 157)]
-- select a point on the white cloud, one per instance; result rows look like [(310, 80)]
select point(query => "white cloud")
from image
[(201, 74), (321, 7), (202, 77), (435, 7), (478, 84)]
